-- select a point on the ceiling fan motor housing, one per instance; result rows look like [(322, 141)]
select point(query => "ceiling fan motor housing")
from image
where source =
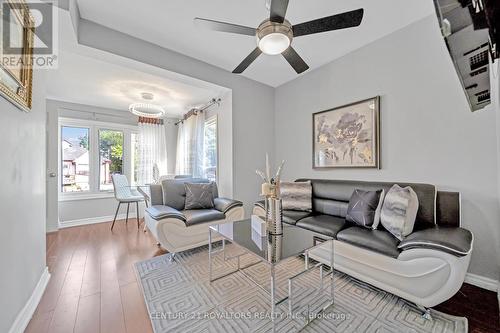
[(274, 38)]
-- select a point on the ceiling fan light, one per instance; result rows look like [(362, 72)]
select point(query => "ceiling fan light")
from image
[(274, 43)]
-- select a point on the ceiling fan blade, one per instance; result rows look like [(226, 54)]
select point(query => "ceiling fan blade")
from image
[(224, 27), (247, 61), (278, 10), (295, 60), (334, 22)]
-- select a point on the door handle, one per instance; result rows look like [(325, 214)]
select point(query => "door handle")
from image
[(53, 175)]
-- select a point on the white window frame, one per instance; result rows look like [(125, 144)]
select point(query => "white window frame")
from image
[(94, 168)]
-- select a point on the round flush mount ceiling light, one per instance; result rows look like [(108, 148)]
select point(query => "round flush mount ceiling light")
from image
[(148, 110), (274, 38)]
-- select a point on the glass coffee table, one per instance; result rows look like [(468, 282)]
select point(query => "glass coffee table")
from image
[(272, 250)]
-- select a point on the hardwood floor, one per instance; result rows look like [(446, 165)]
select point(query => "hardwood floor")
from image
[(93, 287), (480, 306)]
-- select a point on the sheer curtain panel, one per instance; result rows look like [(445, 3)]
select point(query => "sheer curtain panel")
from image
[(190, 146), (152, 149)]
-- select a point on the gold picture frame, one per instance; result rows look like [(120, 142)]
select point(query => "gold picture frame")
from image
[(348, 136), (16, 70)]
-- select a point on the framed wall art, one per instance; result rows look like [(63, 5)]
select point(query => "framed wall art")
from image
[(16, 70), (348, 136)]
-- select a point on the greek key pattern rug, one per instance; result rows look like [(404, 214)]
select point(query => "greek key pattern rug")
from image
[(180, 298)]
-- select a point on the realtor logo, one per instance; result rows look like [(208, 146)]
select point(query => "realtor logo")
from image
[(28, 24)]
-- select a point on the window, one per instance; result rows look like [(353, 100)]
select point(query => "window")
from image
[(210, 149), (75, 159), (90, 153), (110, 157)]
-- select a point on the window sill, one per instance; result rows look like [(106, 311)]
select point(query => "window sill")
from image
[(85, 196)]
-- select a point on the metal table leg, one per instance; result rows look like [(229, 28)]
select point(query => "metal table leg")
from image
[(210, 254), (306, 258), (273, 295), (331, 267)]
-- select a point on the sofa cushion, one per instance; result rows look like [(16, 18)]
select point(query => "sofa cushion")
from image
[(199, 196), (379, 241), (174, 191), (323, 224), (456, 241), (399, 211), (296, 196), (292, 216), (225, 204), (159, 212), (330, 207), (364, 208), (196, 216)]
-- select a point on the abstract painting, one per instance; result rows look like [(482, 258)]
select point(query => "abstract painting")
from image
[(347, 136)]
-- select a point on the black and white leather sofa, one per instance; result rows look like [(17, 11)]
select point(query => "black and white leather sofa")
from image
[(427, 267), (177, 229)]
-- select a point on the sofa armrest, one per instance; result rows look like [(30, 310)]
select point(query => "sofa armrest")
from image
[(448, 209), (156, 194), (159, 212), (225, 204), (260, 203), (456, 241)]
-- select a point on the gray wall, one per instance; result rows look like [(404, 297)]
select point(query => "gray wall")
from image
[(22, 202), (428, 133)]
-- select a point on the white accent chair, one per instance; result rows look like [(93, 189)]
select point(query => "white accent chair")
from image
[(124, 193)]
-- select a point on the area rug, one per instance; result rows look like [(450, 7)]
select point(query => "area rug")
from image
[(180, 298)]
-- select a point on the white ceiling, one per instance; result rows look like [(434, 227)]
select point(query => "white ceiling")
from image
[(169, 23), (91, 77), (84, 80)]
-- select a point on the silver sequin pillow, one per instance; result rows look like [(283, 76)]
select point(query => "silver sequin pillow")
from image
[(296, 196), (199, 196), (399, 211)]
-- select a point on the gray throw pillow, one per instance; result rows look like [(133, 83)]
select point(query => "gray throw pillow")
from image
[(199, 196), (296, 196), (364, 208), (399, 211)]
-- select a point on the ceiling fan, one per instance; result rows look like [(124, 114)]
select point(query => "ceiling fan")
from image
[(275, 34)]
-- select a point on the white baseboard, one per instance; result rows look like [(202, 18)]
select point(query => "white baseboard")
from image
[(482, 282), (25, 315), (93, 220)]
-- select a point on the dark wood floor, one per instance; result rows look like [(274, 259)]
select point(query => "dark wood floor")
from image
[(93, 287), (480, 306)]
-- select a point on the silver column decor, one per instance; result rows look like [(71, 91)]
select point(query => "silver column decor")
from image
[(274, 245), (273, 204), (274, 217)]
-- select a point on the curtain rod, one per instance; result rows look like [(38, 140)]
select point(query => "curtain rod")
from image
[(194, 111)]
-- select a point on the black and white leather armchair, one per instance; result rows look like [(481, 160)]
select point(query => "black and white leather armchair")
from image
[(178, 229)]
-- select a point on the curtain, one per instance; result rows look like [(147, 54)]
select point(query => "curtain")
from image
[(190, 146), (152, 148)]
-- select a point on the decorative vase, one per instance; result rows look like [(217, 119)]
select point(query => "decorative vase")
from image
[(274, 217)]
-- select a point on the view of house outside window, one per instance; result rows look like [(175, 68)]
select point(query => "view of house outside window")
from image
[(210, 149), (110, 157), (75, 159)]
